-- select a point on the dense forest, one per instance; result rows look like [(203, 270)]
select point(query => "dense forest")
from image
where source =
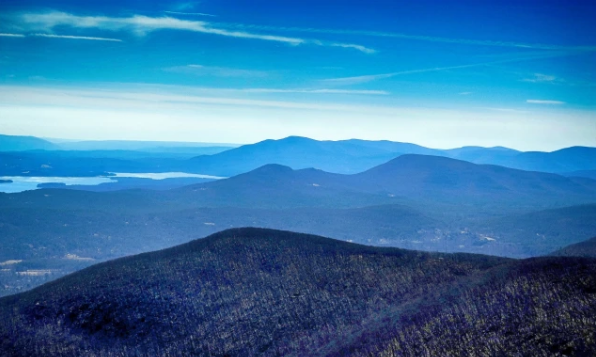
[(245, 292)]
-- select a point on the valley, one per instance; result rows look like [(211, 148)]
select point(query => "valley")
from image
[(414, 201)]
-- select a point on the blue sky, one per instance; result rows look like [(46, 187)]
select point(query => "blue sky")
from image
[(439, 73)]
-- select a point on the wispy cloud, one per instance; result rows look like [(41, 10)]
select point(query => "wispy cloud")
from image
[(505, 110), (465, 93), (516, 58), (356, 47), (185, 6), (68, 37), (416, 37), (142, 25), (542, 78), (190, 13), (374, 77), (547, 102), (11, 35), (200, 70), (313, 91)]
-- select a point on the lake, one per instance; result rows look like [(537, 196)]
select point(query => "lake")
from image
[(26, 183)]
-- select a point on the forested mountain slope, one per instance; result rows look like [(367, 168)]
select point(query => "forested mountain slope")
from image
[(247, 292)]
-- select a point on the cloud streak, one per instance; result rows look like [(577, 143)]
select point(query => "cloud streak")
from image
[(142, 25), (416, 37), (200, 70), (189, 13), (544, 78), (373, 77), (11, 35), (546, 102), (356, 47), (68, 37), (313, 91)]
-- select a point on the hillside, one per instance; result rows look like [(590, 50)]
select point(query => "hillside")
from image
[(248, 292), (62, 241), (353, 156), (346, 156), (431, 179), (277, 186), (577, 158), (445, 178), (586, 248), (591, 174), (24, 143), (540, 231), (144, 146)]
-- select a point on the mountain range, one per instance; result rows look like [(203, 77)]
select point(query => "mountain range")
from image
[(414, 201), (353, 156), (343, 156)]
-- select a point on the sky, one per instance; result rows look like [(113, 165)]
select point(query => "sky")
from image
[(443, 74)]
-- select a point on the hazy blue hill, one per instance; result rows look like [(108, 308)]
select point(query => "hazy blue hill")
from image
[(57, 163), (132, 145), (393, 147), (575, 158), (248, 292), (347, 156), (481, 155), (24, 143), (408, 178), (116, 201), (344, 156), (352, 156), (31, 156), (90, 163), (182, 153), (541, 231), (591, 174), (440, 178), (586, 248), (277, 186)]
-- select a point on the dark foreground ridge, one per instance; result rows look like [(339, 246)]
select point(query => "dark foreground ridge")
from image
[(246, 292)]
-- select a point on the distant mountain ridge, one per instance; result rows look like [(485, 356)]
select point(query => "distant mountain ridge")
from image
[(353, 156), (405, 178), (24, 143), (343, 156), (137, 145)]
